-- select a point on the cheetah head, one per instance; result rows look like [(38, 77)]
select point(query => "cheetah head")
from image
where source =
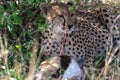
[(57, 16)]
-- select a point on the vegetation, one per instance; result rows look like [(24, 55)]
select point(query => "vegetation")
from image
[(20, 22), (21, 25)]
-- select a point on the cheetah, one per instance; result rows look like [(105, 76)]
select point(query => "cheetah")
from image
[(82, 36)]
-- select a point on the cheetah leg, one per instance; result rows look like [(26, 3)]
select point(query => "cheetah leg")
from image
[(87, 64), (89, 59)]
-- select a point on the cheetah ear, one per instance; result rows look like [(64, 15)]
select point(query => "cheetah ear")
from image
[(70, 3), (44, 8)]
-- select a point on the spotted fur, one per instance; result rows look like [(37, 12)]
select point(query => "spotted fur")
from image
[(83, 36)]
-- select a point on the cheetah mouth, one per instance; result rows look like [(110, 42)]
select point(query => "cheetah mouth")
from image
[(60, 30), (66, 31)]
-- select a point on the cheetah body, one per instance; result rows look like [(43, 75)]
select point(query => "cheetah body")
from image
[(87, 39)]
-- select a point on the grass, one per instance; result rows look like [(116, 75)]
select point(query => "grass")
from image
[(20, 46)]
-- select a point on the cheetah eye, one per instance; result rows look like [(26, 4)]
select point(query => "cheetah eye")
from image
[(61, 16)]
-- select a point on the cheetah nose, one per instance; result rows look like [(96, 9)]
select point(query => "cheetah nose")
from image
[(70, 26)]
